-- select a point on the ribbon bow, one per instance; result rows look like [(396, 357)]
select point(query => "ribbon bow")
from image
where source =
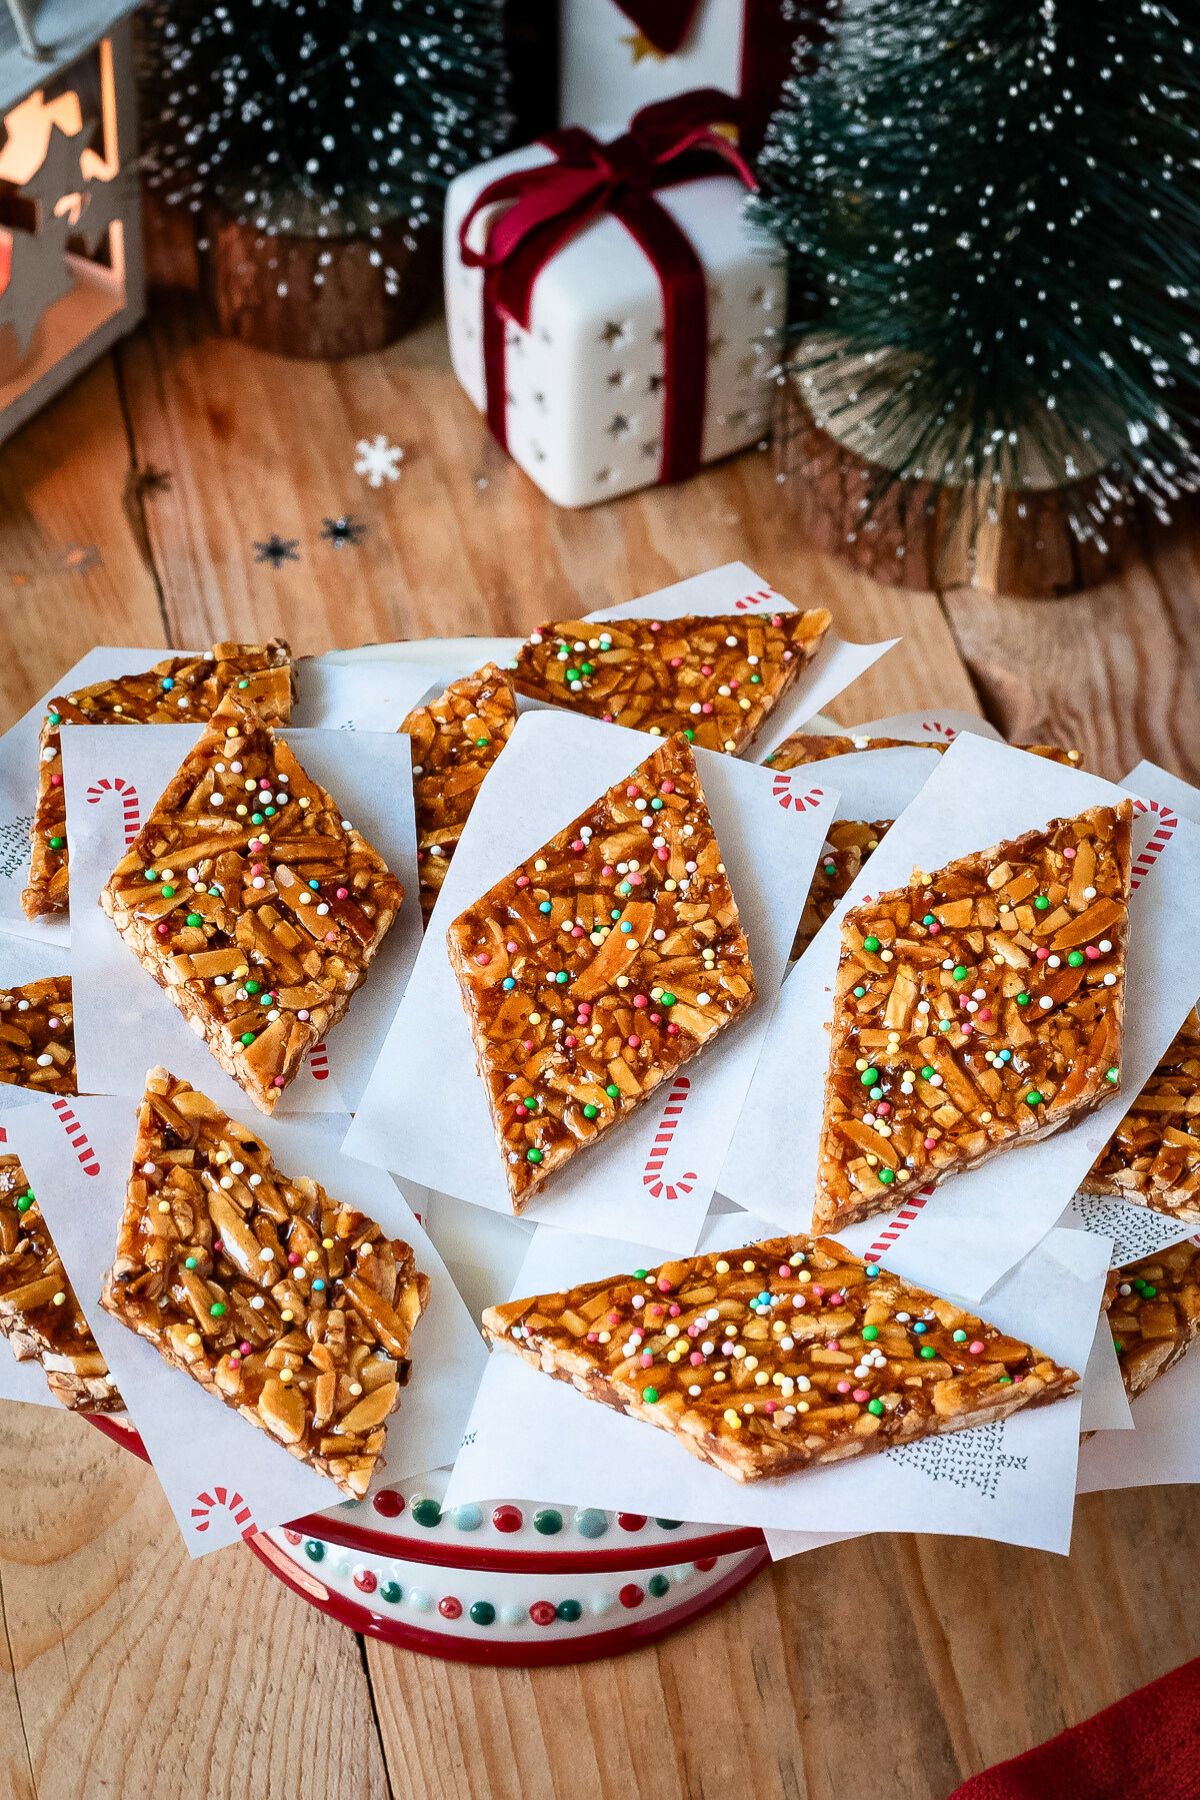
[(545, 207)]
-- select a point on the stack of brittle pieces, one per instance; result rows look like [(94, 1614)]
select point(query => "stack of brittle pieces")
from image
[(39, 1314)]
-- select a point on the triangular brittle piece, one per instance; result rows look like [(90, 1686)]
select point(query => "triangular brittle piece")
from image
[(812, 746), (287, 1305), (767, 1359), (716, 679), (601, 965), (1154, 1313), (455, 740), (176, 691), (252, 902), (1153, 1157), (975, 1009), (849, 843)]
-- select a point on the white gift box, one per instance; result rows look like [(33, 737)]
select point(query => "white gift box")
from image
[(587, 385)]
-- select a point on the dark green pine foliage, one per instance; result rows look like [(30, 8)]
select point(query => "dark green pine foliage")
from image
[(991, 211), (324, 117)]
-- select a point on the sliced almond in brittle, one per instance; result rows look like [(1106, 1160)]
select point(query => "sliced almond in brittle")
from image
[(287, 1305), (1153, 1157), (1153, 1309), (977, 1008), (716, 679), (455, 740), (176, 691), (252, 902), (602, 964), (794, 1353)]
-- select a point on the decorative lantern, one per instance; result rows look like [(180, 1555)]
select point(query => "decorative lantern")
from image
[(71, 278)]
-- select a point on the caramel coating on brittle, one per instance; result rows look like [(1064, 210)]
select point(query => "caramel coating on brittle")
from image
[(37, 1036), (176, 691), (812, 746), (600, 966), (715, 679), (849, 843), (287, 1305), (252, 902), (1153, 1157), (455, 740), (1154, 1313), (787, 1353), (975, 1008)]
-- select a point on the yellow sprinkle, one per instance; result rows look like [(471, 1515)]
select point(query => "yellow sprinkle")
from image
[(164, 1206), (193, 1338), (328, 1243), (748, 1268), (731, 1418), (287, 1316), (356, 1388), (311, 1256), (535, 1018), (60, 1299), (285, 1375), (722, 1267)]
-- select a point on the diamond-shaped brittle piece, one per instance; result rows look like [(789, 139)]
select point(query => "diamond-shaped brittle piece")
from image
[(39, 1314), (716, 679), (287, 1305), (812, 746), (37, 1036), (601, 965), (1154, 1313), (176, 691), (849, 843), (1153, 1157), (455, 740), (977, 1008), (766, 1360), (252, 902)]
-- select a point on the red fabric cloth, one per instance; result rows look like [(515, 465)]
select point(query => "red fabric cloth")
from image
[(1145, 1747)]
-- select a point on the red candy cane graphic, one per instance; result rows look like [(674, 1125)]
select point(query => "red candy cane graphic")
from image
[(130, 804), (903, 1219), (226, 1497), (764, 597), (318, 1062), (1160, 837), (781, 788), (935, 728), (89, 1162), (667, 1125)]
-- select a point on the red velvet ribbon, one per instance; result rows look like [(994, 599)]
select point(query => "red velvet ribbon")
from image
[(545, 207)]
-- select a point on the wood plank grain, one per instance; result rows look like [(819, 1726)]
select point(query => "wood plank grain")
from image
[(463, 541), (140, 1671)]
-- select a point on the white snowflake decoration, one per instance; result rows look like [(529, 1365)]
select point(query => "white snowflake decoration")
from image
[(377, 460)]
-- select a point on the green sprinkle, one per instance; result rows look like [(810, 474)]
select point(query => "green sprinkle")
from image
[(482, 743), (218, 1309), (548, 1521), (830, 868), (887, 1176), (943, 1024), (869, 1077), (56, 843), (256, 818), (530, 1103), (56, 718), (543, 906), (1075, 958), (243, 683), (427, 1512), (650, 1395), (1022, 999), (1118, 1346), (562, 978), (1006, 1381), (270, 811), (960, 1337), (247, 1038), (572, 674), (252, 987), (960, 973), (26, 1201), (613, 1091), (927, 1073), (1113, 1075), (168, 891), (1033, 1098), (640, 1274), (754, 680), (657, 805), (870, 1333), (859, 992), (1041, 903), (928, 1351), (689, 734), (591, 1112), (194, 919), (875, 1406), (668, 1000), (314, 1549), (190, 1262), (929, 919), (533, 1156), (871, 944), (150, 874), (587, 668)]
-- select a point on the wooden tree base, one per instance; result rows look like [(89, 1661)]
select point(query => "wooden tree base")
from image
[(313, 297), (919, 536)]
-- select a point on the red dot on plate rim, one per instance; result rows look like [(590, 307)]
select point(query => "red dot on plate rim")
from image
[(507, 1518), (389, 1503), (631, 1521), (631, 1595), (450, 1607), (366, 1580), (543, 1612)]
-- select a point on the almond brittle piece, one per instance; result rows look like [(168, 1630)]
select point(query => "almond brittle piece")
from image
[(253, 903), (715, 679), (600, 966), (176, 691), (849, 843), (1154, 1313), (788, 1353), (977, 1008), (1153, 1157), (37, 1036), (812, 746), (39, 1314), (455, 741), (287, 1305)]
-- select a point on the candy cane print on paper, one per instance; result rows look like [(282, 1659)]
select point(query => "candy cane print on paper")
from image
[(903, 1219), (131, 812), (1160, 837), (652, 1177), (89, 1162), (764, 597), (935, 728), (781, 788), (318, 1062), (229, 1498)]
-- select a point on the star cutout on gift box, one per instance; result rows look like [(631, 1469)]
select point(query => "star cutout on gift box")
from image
[(618, 379), (652, 447), (615, 334), (276, 550), (654, 383), (343, 531), (641, 49), (619, 426)]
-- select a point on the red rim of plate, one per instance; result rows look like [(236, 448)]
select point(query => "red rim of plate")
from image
[(502, 1652), (459, 1555)]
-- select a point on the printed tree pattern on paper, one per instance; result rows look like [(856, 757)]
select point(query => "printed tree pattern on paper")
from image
[(967, 1459), (1134, 1230)]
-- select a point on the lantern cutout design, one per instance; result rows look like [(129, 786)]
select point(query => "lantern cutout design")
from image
[(71, 278)]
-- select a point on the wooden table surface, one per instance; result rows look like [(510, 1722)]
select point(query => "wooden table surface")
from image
[(128, 514)]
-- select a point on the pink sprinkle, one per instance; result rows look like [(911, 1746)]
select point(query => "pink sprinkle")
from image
[(672, 1031), (56, 781), (976, 1348), (632, 791), (54, 1024), (331, 937), (483, 958), (655, 1311), (834, 1344), (930, 1142), (522, 881), (293, 1257), (861, 1395), (511, 946), (343, 893), (633, 1040), (234, 1357), (818, 1293), (640, 1000), (647, 1359), (527, 1046), (784, 1270), (1069, 852), (1091, 952), (733, 686), (696, 1359), (967, 1027), (593, 1337), (664, 1286), (577, 845), (883, 1108), (607, 870), (674, 1309), (254, 844), (655, 625), (303, 1013), (843, 1387), (770, 1406), (668, 787), (985, 1013), (278, 1081), (162, 928), (664, 855), (934, 929), (218, 1244), (693, 1329), (570, 1040), (245, 1349), (706, 668), (706, 707), (263, 782), (614, 1318), (256, 868), (676, 662), (635, 878)]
